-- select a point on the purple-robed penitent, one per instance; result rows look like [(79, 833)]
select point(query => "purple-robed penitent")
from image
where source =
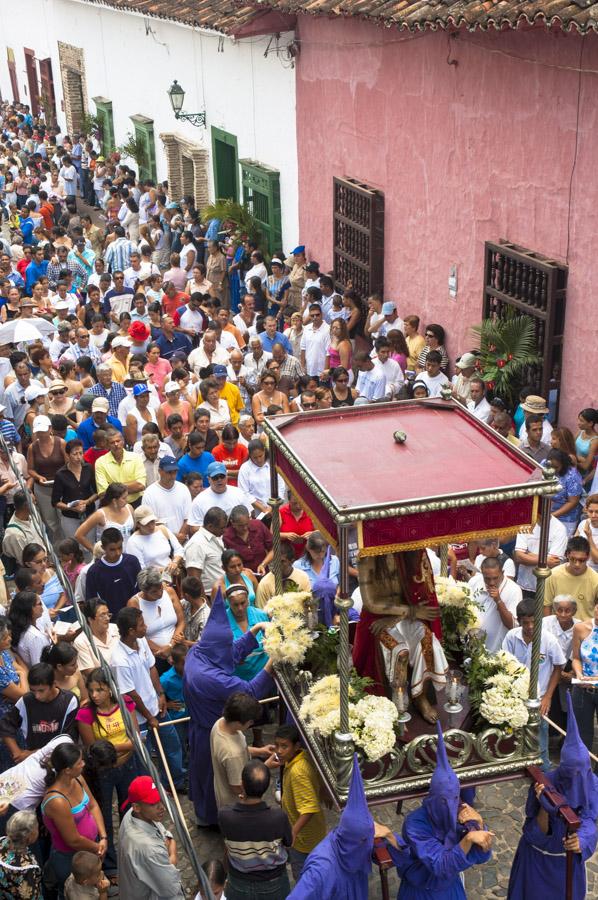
[(432, 865), (324, 590), (539, 867), (338, 868), (207, 683)]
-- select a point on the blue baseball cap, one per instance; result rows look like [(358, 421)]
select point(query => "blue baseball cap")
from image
[(216, 468), (219, 371), (298, 250), (168, 464), (139, 389)]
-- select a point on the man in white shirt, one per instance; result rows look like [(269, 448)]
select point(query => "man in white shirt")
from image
[(315, 342), (526, 551), (433, 378), (498, 597), (392, 321), (246, 317), (169, 499), (552, 659), (254, 478), (255, 362), (389, 367), (477, 404), (371, 381), (209, 353), (203, 553), (328, 295), (219, 493), (490, 547)]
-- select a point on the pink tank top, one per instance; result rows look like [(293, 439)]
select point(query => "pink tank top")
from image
[(85, 823)]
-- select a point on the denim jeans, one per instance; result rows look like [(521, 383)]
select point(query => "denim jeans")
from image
[(297, 861), (238, 889), (172, 751), (117, 779)]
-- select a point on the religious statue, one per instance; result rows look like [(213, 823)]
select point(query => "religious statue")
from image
[(399, 628)]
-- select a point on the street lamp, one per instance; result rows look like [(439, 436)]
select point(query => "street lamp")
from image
[(176, 95)]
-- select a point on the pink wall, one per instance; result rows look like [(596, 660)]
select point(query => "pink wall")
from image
[(464, 154)]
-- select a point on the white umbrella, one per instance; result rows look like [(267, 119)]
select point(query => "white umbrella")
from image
[(18, 330)]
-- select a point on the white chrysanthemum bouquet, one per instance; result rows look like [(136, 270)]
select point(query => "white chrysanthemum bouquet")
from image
[(371, 719), (459, 613), (286, 637), (504, 684)]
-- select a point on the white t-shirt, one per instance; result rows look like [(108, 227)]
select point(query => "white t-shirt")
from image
[(231, 497), (481, 410), (434, 384), (315, 343), (564, 638), (32, 773), (530, 543), (508, 567), (551, 655), (492, 624), (172, 506), (393, 374), (132, 671), (581, 531)]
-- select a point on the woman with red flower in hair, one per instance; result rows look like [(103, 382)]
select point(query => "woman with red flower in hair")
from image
[(140, 334)]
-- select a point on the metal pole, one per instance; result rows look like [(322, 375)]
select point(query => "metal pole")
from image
[(344, 745), (444, 560), (542, 572), (275, 503)]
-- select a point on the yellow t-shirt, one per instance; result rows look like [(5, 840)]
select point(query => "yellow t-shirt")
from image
[(232, 395), (416, 344), (300, 795), (583, 588)]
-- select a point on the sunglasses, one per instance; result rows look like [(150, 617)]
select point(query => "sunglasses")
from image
[(217, 477), (309, 406), (58, 393), (429, 334)]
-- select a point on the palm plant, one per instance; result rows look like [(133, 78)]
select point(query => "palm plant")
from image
[(507, 352), (237, 219)]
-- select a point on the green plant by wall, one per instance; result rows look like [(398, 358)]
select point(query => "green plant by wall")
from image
[(237, 219), (134, 148), (507, 352)]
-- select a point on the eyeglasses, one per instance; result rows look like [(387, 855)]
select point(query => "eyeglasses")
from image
[(217, 477), (58, 393), (309, 406)]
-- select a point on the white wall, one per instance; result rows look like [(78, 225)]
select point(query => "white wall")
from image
[(132, 60)]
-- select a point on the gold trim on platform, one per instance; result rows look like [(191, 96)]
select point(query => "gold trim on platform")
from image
[(443, 539)]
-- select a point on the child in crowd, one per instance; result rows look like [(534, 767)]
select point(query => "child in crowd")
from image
[(100, 447), (217, 878), (518, 641), (172, 685), (86, 881), (195, 608), (71, 559), (300, 796)]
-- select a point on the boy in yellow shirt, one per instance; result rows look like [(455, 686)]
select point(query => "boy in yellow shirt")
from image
[(300, 796)]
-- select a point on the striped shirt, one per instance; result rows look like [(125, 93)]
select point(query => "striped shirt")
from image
[(118, 255), (113, 396), (256, 836)]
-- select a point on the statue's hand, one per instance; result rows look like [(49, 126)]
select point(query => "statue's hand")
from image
[(425, 612), (383, 624)]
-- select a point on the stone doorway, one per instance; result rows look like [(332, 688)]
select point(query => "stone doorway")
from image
[(187, 168)]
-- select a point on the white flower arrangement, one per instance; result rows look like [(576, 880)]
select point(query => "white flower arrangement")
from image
[(503, 701), (286, 636), (457, 595), (371, 719)]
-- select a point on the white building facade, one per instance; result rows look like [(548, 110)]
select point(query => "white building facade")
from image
[(235, 64)]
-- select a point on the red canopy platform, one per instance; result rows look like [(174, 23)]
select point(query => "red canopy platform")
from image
[(403, 476)]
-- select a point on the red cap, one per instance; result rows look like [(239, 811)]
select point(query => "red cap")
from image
[(139, 331), (142, 790)]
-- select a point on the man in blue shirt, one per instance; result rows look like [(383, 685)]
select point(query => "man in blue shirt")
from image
[(169, 340), (196, 460), (27, 224), (36, 269), (271, 336), (99, 419)]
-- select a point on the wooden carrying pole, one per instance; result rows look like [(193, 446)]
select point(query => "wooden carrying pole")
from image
[(569, 817)]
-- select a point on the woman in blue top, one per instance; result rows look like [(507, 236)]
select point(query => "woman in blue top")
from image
[(53, 594), (235, 575), (242, 617), (565, 504), (586, 444)]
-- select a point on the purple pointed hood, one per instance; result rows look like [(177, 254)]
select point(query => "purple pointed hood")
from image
[(442, 801), (216, 644), (573, 777), (353, 837)]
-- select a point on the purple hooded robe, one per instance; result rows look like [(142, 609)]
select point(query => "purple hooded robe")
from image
[(207, 683), (338, 868), (540, 861), (432, 868)]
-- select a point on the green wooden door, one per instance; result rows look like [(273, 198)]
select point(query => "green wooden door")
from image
[(261, 195), (144, 134), (106, 123), (226, 165)]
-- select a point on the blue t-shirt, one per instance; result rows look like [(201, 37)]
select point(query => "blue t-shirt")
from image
[(179, 342), (88, 426), (253, 664), (199, 464), (172, 683)]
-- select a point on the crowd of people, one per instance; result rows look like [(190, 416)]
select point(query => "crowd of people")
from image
[(141, 349)]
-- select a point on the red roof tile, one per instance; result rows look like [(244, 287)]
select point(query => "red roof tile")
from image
[(226, 16), (421, 15)]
